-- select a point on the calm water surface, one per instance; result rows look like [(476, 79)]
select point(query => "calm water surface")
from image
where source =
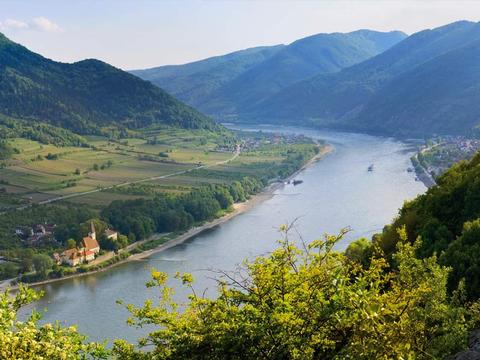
[(336, 192)]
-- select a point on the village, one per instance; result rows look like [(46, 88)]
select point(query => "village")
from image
[(85, 252), (439, 153), (256, 141)]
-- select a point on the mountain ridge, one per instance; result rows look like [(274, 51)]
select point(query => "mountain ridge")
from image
[(84, 96), (337, 100), (281, 67)]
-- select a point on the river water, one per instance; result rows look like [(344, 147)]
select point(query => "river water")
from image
[(336, 192)]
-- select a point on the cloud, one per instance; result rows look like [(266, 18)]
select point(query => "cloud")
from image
[(14, 24), (37, 24), (43, 24)]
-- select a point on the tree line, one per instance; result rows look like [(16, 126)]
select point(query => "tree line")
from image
[(141, 218)]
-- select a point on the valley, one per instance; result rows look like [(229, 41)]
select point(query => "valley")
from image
[(306, 195)]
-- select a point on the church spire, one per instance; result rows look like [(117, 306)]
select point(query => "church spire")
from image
[(92, 233)]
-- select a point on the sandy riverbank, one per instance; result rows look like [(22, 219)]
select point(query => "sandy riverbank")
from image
[(238, 209)]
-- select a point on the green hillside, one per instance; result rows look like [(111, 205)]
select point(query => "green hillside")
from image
[(224, 86), (447, 218), (194, 82), (397, 78), (441, 96), (84, 96)]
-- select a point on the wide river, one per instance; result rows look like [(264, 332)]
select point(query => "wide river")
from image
[(336, 192)]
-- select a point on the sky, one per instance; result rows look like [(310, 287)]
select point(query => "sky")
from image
[(138, 34)]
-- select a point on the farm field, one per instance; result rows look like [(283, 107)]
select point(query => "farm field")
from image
[(39, 172)]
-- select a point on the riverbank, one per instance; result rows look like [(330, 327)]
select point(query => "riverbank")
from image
[(422, 173), (238, 209)]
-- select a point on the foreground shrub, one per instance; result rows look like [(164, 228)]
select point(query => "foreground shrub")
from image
[(27, 340), (308, 303)]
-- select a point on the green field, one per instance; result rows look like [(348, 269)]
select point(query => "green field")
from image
[(38, 172)]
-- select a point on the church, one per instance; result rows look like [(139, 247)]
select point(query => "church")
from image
[(80, 255)]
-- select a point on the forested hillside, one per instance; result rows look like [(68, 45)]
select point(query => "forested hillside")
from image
[(425, 84), (194, 82), (226, 85), (84, 96), (447, 219)]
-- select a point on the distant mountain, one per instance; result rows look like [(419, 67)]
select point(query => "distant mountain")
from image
[(196, 81), (428, 83), (84, 96), (226, 85)]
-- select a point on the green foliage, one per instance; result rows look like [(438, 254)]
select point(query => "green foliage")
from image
[(38, 131), (42, 264), (67, 218), (71, 243), (360, 251), (168, 213), (30, 341), (5, 150), (51, 156), (8, 270), (446, 218), (308, 304), (86, 96)]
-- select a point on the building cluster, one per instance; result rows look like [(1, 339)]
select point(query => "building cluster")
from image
[(442, 152), (86, 252), (254, 143), (36, 233)]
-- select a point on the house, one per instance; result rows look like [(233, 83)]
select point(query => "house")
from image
[(39, 230), (111, 234), (88, 255), (24, 232), (71, 257), (35, 233), (57, 258)]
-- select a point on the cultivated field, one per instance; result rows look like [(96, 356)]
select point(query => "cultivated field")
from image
[(38, 172)]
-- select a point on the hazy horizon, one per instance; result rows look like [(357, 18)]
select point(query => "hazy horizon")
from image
[(149, 33)]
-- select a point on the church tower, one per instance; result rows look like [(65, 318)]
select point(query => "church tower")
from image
[(92, 232)]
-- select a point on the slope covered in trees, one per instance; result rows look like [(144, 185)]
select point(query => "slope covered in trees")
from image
[(226, 85), (84, 96), (427, 83), (447, 219), (195, 82)]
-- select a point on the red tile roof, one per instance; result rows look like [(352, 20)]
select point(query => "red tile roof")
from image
[(90, 243)]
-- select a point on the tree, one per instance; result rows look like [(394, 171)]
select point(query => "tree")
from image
[(42, 264), (77, 171), (30, 341), (311, 303), (95, 167), (26, 262), (122, 241), (100, 226), (359, 251), (71, 243)]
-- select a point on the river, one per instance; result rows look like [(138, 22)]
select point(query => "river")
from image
[(336, 192)]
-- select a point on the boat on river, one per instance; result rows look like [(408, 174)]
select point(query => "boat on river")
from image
[(297, 182), (370, 168)]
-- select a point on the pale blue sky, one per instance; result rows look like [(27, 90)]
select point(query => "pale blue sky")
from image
[(140, 33)]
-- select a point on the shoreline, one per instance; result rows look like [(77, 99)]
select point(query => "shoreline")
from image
[(422, 173), (238, 208)]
